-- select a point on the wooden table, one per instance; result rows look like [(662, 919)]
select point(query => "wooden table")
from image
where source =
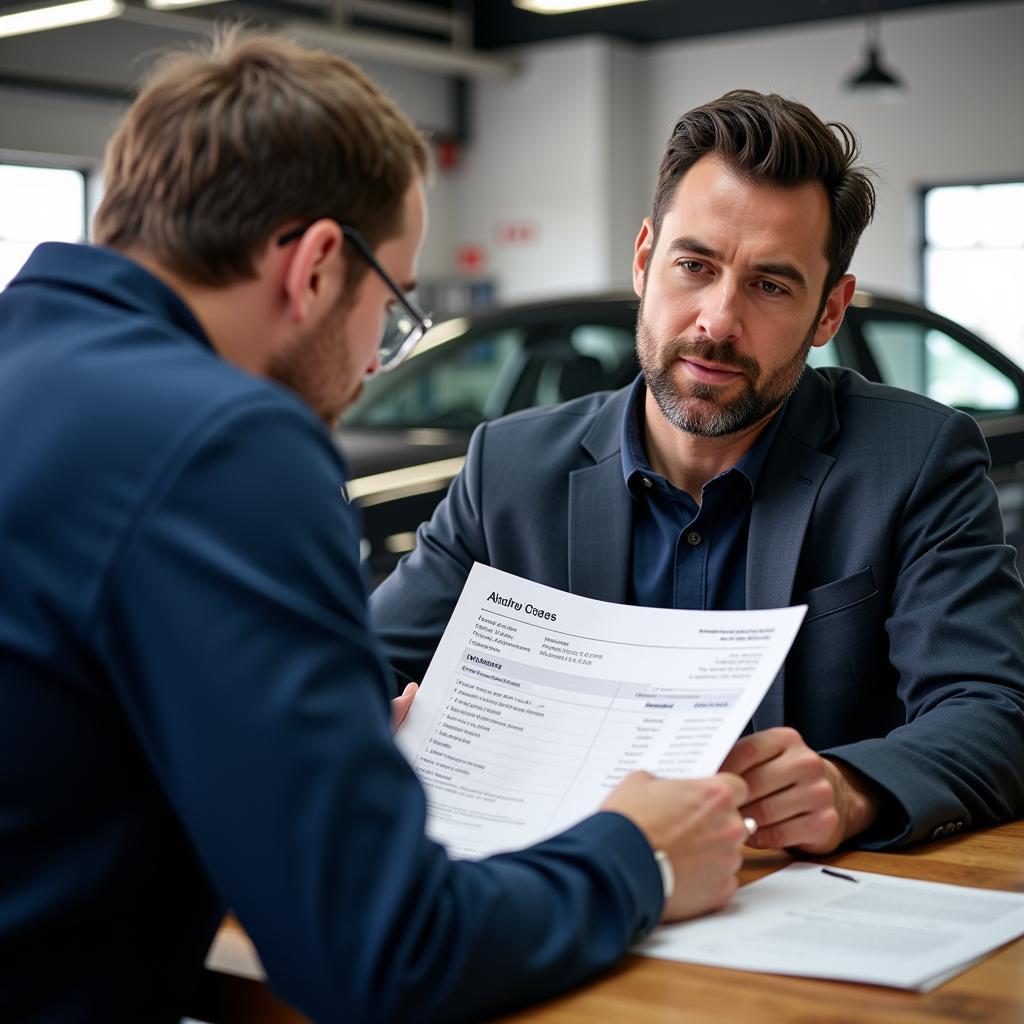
[(647, 991)]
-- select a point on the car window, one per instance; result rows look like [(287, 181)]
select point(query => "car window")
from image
[(917, 356), (826, 355), (448, 388), (563, 362)]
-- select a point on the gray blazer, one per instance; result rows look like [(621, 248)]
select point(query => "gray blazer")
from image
[(873, 509)]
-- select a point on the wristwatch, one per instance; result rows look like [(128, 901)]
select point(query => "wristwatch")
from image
[(668, 876)]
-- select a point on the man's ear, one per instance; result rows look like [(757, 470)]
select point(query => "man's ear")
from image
[(315, 276), (835, 306), (641, 256)]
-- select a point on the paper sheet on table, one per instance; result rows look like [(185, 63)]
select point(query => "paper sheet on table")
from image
[(880, 930), (537, 702)]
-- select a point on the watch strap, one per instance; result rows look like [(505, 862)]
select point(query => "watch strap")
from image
[(668, 876)]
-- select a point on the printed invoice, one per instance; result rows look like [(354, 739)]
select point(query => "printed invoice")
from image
[(537, 702)]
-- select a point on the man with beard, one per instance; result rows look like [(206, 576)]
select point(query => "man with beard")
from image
[(194, 709), (728, 476)]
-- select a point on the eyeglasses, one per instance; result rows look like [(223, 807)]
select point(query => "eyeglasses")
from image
[(406, 323)]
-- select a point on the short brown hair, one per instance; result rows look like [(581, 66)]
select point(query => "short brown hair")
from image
[(226, 143), (776, 141)]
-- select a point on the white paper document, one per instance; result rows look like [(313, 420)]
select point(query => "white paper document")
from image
[(537, 702), (847, 925)]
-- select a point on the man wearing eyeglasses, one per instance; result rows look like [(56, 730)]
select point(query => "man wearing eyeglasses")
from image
[(406, 323), (195, 714)]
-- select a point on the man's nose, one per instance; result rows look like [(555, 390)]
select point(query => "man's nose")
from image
[(719, 316)]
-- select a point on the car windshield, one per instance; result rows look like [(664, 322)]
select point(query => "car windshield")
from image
[(446, 385), (462, 377)]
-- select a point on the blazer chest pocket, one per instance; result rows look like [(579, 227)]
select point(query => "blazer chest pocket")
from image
[(840, 594)]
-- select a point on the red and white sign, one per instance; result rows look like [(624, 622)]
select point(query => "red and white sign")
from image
[(516, 232)]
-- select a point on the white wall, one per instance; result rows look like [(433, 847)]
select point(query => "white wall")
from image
[(538, 159), (962, 118), (428, 100), (560, 148)]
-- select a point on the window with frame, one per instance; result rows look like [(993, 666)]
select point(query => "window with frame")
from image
[(38, 204), (973, 259)]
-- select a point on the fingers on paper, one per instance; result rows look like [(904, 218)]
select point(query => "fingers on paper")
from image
[(788, 798), (811, 833), (731, 789), (761, 747), (400, 705)]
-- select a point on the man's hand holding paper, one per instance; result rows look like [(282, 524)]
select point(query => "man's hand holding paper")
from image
[(540, 706), (798, 798), (698, 825)]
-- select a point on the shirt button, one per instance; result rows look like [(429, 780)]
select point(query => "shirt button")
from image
[(693, 538), (647, 481)]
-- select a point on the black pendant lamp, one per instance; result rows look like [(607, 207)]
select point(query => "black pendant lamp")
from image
[(873, 77)]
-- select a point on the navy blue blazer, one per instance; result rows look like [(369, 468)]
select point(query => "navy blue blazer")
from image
[(194, 712), (873, 509)]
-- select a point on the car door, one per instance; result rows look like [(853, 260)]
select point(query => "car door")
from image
[(912, 348)]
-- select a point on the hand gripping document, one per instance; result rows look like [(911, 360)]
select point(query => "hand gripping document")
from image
[(538, 702)]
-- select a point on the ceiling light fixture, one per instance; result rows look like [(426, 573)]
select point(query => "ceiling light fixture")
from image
[(39, 19), (873, 77), (173, 5), (568, 6)]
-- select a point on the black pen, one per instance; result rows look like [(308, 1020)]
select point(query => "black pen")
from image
[(839, 874)]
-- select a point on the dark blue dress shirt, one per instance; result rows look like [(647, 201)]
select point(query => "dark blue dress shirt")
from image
[(685, 555)]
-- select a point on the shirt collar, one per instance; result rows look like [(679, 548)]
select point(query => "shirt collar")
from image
[(631, 448), (112, 275), (635, 464)]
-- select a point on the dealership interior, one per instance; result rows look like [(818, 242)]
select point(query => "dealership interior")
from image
[(546, 121)]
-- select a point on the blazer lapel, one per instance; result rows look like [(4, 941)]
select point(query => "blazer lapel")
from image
[(601, 510), (600, 531), (785, 499)]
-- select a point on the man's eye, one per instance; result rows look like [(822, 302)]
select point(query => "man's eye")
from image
[(771, 288), (691, 266)]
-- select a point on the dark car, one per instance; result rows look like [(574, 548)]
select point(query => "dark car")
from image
[(407, 436)]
